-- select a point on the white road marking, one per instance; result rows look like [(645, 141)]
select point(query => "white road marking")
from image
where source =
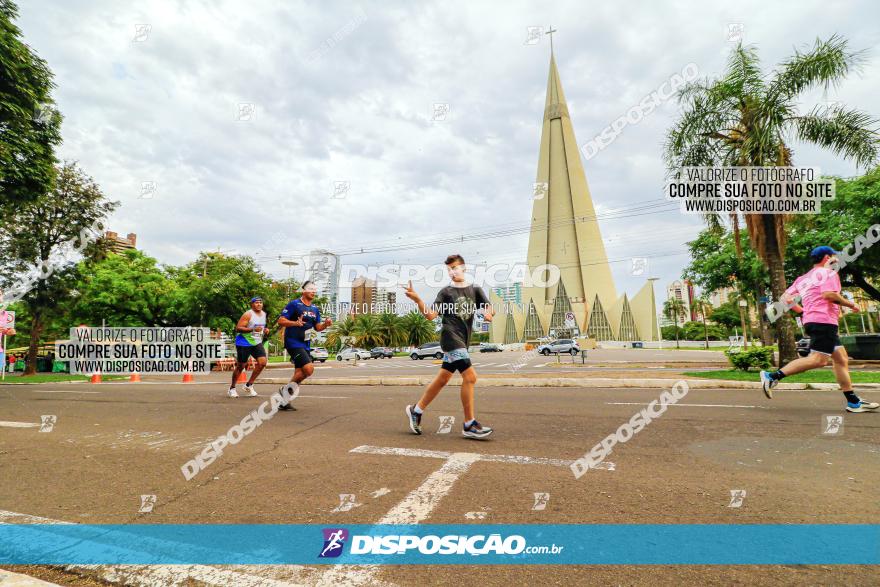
[(419, 503), (687, 405), (19, 580), (18, 425), (60, 391), (151, 575), (438, 454)]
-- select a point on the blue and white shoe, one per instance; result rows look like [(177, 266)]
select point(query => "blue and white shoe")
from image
[(767, 384), (415, 420), (476, 431), (862, 406)]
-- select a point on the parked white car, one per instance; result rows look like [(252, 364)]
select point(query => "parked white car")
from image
[(429, 349), (349, 353), (319, 354), (561, 346)]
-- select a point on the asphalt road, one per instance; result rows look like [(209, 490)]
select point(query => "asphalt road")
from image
[(508, 362), (112, 443)]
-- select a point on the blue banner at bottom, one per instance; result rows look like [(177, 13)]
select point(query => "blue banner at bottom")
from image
[(456, 544)]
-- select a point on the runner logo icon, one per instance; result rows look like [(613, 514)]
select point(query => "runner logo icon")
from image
[(334, 541)]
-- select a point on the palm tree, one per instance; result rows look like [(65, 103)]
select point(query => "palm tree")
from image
[(672, 309), (390, 329), (340, 332), (366, 330), (747, 118), (702, 306), (416, 329)]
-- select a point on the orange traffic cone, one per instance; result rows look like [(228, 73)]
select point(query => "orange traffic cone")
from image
[(187, 377), (135, 377), (242, 377), (96, 378)]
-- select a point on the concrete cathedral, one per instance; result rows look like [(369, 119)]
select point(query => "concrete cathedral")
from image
[(565, 233)]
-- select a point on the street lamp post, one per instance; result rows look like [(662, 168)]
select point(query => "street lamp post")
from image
[(290, 265), (654, 304), (743, 312)]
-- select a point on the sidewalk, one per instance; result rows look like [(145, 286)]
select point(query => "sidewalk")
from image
[(572, 381), (10, 579)]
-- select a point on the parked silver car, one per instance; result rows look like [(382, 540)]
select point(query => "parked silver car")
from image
[(350, 353), (429, 349), (561, 346), (319, 354)]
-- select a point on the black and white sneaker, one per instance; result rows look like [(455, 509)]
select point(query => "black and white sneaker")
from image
[(415, 420), (475, 430), (288, 392), (768, 383), (862, 406)]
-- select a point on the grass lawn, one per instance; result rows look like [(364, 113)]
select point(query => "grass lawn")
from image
[(17, 378), (818, 376), (670, 346)]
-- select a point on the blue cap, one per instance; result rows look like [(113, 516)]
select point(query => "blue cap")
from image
[(256, 299), (819, 253)]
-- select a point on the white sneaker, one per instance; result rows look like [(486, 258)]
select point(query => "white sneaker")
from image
[(250, 390), (231, 392)]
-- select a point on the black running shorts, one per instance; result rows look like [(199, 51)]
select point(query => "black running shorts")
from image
[(299, 357), (823, 337), (243, 353), (461, 365)]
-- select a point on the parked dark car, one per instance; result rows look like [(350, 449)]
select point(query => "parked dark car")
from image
[(381, 352), (490, 348)]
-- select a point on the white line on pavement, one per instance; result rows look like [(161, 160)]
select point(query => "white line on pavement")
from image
[(60, 391), (687, 405), (417, 506), (18, 580), (151, 575), (18, 425)]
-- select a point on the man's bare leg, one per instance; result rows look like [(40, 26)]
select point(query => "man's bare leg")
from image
[(300, 374), (814, 360), (468, 380), (261, 364), (239, 367), (841, 368), (434, 388)]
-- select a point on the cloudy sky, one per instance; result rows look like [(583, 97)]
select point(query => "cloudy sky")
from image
[(244, 115)]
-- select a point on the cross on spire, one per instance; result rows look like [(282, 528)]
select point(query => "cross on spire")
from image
[(550, 32)]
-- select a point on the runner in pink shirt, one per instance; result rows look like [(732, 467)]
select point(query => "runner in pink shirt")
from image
[(819, 293), (5, 330)]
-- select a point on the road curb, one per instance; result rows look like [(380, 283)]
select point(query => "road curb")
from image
[(10, 579), (592, 382)]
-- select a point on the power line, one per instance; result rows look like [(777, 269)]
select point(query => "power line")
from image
[(494, 234)]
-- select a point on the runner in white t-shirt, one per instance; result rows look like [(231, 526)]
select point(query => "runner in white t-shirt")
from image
[(250, 330)]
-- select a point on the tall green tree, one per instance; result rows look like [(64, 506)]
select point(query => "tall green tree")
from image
[(29, 124), (855, 208), (367, 333), (672, 309), (748, 118), (126, 289), (417, 330), (390, 328), (40, 240), (717, 263), (214, 291), (702, 306), (340, 333)]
